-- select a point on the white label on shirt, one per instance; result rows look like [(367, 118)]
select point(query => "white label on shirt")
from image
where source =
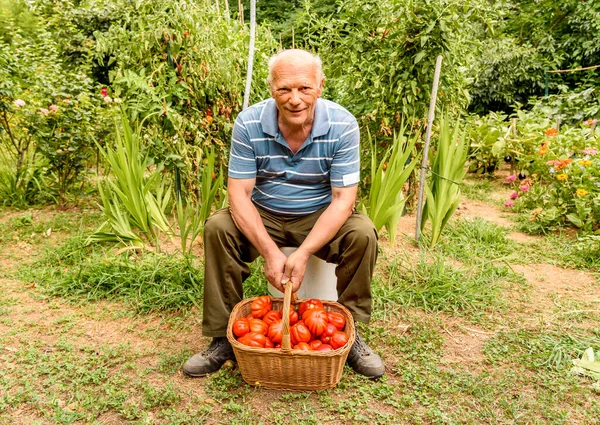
[(351, 178)]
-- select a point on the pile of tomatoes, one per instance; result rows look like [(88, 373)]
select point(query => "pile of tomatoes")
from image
[(311, 327)]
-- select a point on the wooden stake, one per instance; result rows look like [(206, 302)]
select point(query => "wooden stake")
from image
[(513, 123), (434, 89), (250, 53)]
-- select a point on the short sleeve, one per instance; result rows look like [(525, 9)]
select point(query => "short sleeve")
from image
[(345, 167), (242, 161)]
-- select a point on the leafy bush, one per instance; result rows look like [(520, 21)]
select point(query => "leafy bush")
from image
[(46, 109), (183, 64), (379, 56)]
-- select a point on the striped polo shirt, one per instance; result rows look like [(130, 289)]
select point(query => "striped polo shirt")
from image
[(295, 184)]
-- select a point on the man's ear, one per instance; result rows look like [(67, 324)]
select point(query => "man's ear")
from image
[(321, 86)]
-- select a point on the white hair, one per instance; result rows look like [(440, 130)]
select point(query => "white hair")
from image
[(283, 53)]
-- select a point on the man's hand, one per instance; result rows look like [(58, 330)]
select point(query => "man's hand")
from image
[(295, 267), (274, 268)]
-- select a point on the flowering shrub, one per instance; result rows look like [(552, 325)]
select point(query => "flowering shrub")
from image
[(567, 191)]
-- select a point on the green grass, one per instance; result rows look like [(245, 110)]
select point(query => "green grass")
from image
[(434, 285), (566, 251), (549, 349), (476, 190), (55, 373), (473, 240), (150, 282)]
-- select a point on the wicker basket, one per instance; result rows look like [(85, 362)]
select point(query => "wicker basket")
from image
[(285, 368)]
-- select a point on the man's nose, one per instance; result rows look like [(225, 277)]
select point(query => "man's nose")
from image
[(295, 97)]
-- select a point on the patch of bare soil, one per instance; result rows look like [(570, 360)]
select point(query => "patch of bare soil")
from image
[(473, 209), (550, 281)]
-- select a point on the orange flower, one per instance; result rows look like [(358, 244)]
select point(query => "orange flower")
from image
[(551, 132), (562, 177)]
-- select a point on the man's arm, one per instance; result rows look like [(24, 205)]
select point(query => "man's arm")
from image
[(326, 227), (248, 221)]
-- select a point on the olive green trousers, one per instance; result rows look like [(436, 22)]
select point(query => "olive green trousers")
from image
[(227, 252)]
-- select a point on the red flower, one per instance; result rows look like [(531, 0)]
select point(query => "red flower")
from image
[(104, 92)]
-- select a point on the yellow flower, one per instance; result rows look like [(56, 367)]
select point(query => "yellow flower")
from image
[(585, 162), (562, 177), (581, 192)]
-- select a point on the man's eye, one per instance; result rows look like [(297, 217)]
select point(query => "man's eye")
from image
[(284, 90)]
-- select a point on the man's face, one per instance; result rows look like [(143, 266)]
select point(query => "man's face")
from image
[(295, 88)]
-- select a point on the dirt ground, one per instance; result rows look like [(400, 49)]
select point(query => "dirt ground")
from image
[(104, 322)]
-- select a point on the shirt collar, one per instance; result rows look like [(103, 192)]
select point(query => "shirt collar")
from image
[(268, 119)]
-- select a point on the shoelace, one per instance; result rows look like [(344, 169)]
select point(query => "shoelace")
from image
[(360, 348), (214, 346)]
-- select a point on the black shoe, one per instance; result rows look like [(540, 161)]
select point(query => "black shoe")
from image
[(364, 360), (211, 359)]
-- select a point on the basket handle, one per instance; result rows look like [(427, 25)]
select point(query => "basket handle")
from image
[(286, 345)]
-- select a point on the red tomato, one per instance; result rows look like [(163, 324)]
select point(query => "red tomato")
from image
[(269, 344), (258, 326), (324, 347), (329, 331), (337, 319), (293, 316), (299, 333), (309, 305), (253, 339), (303, 346), (315, 344), (271, 317), (338, 339), (275, 331), (261, 306), (316, 320), (241, 327)]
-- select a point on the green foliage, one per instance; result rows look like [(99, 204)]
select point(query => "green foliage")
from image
[(184, 64), (379, 56), (151, 282), (447, 170), (385, 201), (46, 110), (135, 201), (434, 285), (528, 37)]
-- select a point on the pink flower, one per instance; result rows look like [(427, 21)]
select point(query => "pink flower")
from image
[(511, 178), (19, 102), (107, 99), (514, 195), (44, 111), (53, 107), (590, 151), (509, 204), (590, 122), (524, 188)]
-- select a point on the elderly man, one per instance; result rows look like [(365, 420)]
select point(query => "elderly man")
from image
[(293, 175)]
